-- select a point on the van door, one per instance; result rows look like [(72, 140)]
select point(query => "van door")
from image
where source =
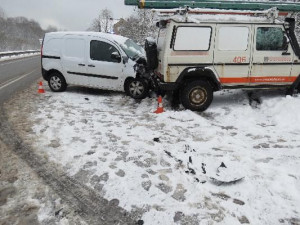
[(104, 70), (232, 54), (272, 59), (74, 60)]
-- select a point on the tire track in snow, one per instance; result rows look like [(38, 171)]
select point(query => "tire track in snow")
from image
[(93, 208)]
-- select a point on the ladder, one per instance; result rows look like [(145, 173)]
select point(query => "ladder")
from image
[(216, 4)]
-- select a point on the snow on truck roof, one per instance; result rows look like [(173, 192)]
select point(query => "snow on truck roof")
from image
[(200, 15), (119, 39)]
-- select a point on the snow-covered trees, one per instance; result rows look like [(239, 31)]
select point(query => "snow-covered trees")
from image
[(19, 33), (103, 23), (139, 26)]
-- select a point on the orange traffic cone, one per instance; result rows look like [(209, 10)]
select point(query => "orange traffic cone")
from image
[(160, 108), (41, 89)]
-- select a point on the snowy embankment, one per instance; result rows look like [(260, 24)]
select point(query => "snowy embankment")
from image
[(4, 56), (164, 164)]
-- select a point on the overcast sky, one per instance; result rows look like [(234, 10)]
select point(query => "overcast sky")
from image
[(73, 15)]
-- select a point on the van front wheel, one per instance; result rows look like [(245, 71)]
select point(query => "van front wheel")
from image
[(57, 82), (137, 88), (197, 95)]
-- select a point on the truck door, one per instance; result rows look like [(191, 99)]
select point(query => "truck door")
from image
[(104, 71), (232, 53), (272, 56), (74, 60)]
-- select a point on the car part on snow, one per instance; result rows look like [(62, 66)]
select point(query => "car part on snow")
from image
[(214, 4), (226, 175), (219, 182), (57, 82)]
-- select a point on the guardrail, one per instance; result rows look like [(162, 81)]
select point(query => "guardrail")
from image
[(17, 53)]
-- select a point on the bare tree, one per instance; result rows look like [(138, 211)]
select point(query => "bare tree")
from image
[(2, 13), (51, 28), (103, 23)]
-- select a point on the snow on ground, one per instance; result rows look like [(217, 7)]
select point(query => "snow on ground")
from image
[(165, 164)]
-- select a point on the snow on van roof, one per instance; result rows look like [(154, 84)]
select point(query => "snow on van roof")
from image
[(119, 39)]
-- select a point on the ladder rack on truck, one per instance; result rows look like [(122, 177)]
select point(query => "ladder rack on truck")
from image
[(215, 4)]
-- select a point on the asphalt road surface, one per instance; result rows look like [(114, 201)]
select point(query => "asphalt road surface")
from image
[(15, 76), (18, 74)]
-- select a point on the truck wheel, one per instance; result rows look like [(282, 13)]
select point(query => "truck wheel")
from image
[(197, 95), (137, 88), (57, 82)]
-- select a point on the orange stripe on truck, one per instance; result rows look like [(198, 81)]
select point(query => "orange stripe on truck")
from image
[(234, 80)]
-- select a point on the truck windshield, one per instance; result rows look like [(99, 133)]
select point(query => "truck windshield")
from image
[(132, 49)]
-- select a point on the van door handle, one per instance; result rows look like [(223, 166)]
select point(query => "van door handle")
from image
[(91, 66), (286, 53), (80, 64)]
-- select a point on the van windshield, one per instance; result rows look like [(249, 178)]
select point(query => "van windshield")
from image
[(132, 49)]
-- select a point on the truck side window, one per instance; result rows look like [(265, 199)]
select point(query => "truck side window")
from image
[(233, 38), (192, 39), (102, 51), (269, 39)]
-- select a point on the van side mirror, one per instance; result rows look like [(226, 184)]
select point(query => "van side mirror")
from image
[(116, 57)]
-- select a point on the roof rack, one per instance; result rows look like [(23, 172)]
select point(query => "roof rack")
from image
[(216, 4), (272, 13)]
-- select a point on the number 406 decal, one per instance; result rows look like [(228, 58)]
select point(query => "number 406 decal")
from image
[(239, 59)]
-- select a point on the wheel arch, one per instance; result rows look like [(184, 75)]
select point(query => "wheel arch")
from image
[(199, 73), (126, 81), (49, 72)]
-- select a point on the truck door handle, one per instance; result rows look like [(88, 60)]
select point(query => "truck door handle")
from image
[(80, 64), (91, 65), (286, 53)]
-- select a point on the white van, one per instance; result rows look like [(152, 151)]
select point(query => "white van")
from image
[(91, 59)]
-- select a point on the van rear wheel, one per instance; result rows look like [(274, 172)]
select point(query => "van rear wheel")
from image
[(197, 95), (137, 88), (57, 82)]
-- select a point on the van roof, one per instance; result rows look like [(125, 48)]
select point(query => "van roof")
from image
[(119, 39)]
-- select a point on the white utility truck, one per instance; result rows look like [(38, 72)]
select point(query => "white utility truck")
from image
[(200, 51), (204, 46)]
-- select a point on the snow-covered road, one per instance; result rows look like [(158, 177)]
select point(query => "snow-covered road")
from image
[(162, 165)]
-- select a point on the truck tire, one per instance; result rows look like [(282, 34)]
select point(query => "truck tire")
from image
[(137, 88), (197, 95), (57, 82), (298, 88)]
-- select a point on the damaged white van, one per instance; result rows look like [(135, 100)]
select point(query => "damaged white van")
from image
[(92, 59)]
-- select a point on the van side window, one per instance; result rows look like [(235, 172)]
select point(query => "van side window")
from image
[(74, 48), (228, 40), (102, 51), (269, 39), (192, 39)]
